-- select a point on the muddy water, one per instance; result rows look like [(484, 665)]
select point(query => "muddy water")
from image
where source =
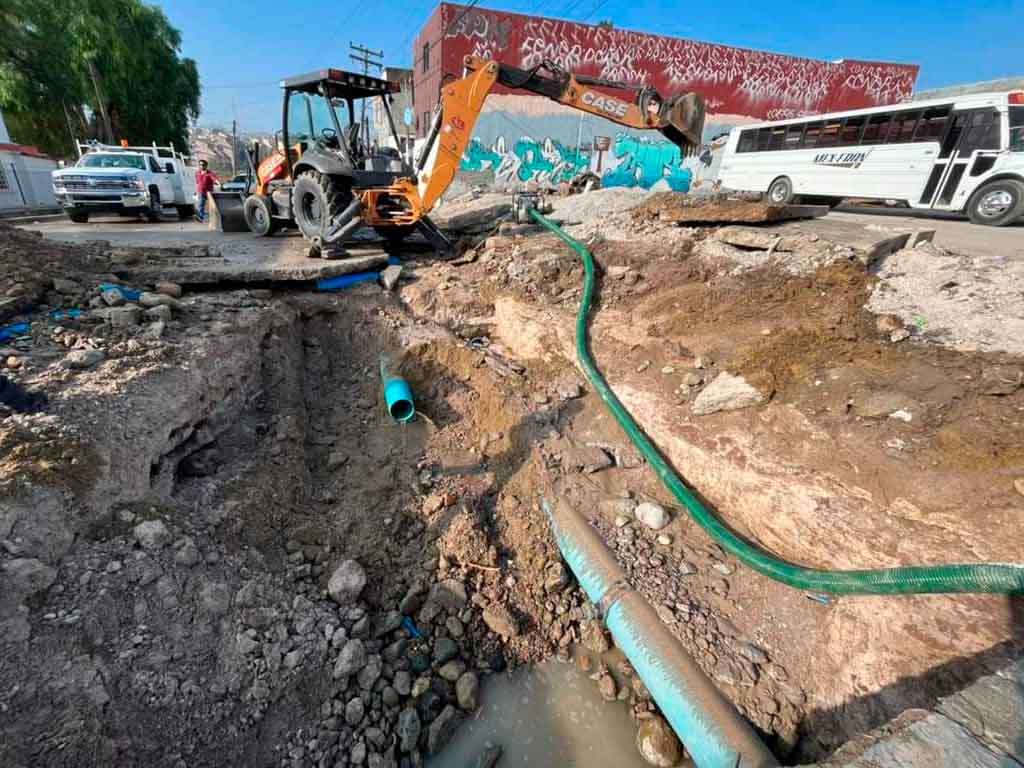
[(546, 715)]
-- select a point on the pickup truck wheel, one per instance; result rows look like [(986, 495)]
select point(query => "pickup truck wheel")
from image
[(997, 203), (259, 217), (79, 217), (156, 206), (185, 212), (316, 198)]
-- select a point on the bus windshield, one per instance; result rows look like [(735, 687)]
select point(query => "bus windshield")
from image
[(1017, 129)]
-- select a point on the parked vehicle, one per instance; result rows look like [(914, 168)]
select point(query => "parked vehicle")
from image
[(962, 154), (126, 180), (238, 183)]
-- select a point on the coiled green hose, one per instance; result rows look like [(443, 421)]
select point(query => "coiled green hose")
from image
[(1004, 578)]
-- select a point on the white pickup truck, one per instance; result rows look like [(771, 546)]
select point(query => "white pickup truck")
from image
[(126, 180)]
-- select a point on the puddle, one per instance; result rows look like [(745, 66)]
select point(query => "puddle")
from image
[(548, 714)]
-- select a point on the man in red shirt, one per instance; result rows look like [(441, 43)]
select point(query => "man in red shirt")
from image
[(205, 180)]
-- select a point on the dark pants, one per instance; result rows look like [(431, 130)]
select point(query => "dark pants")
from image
[(201, 207)]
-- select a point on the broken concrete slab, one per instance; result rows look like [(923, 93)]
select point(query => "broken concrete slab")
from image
[(389, 277), (677, 208), (725, 393), (287, 266)]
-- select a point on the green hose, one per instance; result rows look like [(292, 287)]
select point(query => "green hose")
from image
[(1005, 578)]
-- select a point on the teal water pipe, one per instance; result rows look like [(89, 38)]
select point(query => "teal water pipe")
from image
[(713, 732), (1003, 578), (397, 392)]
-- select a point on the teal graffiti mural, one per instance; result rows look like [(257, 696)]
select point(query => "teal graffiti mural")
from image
[(631, 162), (643, 164)]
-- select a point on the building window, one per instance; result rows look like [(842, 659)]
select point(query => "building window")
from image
[(425, 58)]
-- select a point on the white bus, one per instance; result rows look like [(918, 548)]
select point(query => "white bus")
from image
[(962, 154)]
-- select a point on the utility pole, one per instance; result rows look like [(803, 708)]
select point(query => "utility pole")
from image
[(368, 58), (100, 104), (234, 139)]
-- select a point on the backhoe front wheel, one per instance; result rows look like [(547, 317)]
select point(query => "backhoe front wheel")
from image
[(316, 199)]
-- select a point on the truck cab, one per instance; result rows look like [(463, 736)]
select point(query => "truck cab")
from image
[(125, 180)]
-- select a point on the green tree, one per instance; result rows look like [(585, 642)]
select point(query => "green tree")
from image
[(106, 69)]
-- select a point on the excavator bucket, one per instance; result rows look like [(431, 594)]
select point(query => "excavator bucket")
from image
[(684, 116), (227, 212)]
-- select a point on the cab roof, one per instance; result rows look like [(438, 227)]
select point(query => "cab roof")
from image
[(340, 83)]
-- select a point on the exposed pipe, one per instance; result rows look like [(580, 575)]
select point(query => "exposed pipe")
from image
[(1002, 578), (714, 733), (397, 392)]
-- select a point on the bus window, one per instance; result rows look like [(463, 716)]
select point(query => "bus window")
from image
[(902, 129), (748, 141), (778, 138), (877, 129), (850, 134), (795, 133), (811, 135), (1016, 129), (830, 134), (764, 139), (983, 132), (932, 124)]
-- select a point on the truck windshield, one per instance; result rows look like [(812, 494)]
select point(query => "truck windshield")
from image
[(112, 161), (1017, 129)]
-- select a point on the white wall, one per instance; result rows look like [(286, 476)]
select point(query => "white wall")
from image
[(25, 182), (5, 137)]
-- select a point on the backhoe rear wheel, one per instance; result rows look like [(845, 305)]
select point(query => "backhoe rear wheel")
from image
[(316, 199)]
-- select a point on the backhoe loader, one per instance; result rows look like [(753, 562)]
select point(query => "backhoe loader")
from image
[(330, 180)]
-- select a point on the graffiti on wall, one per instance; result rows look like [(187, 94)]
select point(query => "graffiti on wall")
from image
[(735, 81), (629, 162)]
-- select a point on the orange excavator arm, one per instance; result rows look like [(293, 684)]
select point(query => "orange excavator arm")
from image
[(679, 118)]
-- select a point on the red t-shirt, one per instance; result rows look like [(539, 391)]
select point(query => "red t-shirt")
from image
[(205, 181)]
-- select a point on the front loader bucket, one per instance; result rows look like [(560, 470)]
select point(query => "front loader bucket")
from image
[(227, 212), (685, 117)]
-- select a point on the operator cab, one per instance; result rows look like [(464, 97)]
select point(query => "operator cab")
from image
[(323, 127)]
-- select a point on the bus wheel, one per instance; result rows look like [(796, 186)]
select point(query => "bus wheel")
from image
[(997, 203), (780, 192)]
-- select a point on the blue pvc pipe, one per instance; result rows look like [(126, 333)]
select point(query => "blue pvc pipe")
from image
[(714, 733), (397, 393)]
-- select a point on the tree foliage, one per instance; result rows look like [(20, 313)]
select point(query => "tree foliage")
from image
[(73, 67)]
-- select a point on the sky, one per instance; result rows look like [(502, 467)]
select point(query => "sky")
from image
[(244, 48)]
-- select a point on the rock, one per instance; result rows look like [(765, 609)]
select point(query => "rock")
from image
[(215, 598), (881, 405), (336, 460), (358, 754), (489, 757), (1001, 380), (607, 688), (652, 515), (1019, 485), (664, 539), (112, 297), (152, 534), (408, 730), (658, 744), (556, 577), (724, 568), (389, 696), (445, 649), (351, 659), (168, 289), (245, 643), (403, 682), (587, 459), (594, 637), (347, 582), (454, 627), (65, 286), (147, 299), (752, 653), (452, 670), (725, 393), (123, 317), (900, 334), (693, 380), (26, 576), (354, 711), (441, 730), (13, 362), (188, 553), (80, 359), (501, 621), (155, 330), (389, 277), (467, 691), (161, 312), (687, 568), (919, 236), (370, 672), (412, 601), (616, 508)]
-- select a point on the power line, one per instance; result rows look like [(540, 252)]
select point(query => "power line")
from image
[(368, 58)]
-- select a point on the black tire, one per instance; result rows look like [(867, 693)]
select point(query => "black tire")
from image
[(259, 216), (156, 206), (780, 191), (316, 199), (185, 212), (395, 235), (997, 203), (79, 217)]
